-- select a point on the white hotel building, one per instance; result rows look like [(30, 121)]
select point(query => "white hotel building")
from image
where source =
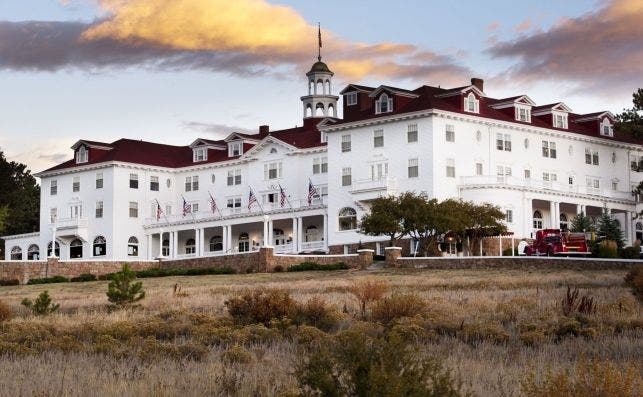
[(540, 164)]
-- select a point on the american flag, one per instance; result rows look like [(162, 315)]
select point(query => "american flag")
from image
[(159, 211), (186, 207), (213, 203), (312, 192), (252, 199), (282, 196)]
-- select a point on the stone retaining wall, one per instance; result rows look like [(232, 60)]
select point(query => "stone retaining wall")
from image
[(361, 260)]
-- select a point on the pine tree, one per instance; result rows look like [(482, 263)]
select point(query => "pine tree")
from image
[(122, 291), (582, 224), (42, 305), (609, 230)]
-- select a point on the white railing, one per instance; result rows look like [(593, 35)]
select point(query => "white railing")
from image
[(386, 184), (496, 180), (312, 246), (283, 248), (69, 223)]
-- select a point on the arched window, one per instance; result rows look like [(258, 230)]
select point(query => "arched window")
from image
[(328, 87), (33, 252), (347, 219), (57, 251), (311, 87), (165, 249), (320, 87), (76, 249), (471, 104), (244, 242), (16, 253), (319, 110), (278, 237), (309, 110), (132, 246), (100, 246), (639, 231), (190, 246), (538, 220), (384, 104), (564, 222), (331, 111), (216, 243), (312, 234)]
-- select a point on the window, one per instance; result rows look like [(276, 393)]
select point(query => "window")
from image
[(133, 181), (165, 248), (234, 202), (384, 104), (560, 120), (550, 177), (191, 183), (16, 253), (56, 250), (614, 185), (347, 219), (593, 184), (194, 207), (168, 210), (378, 138), (549, 149), (502, 172), (351, 99), (200, 154), (33, 252), (133, 209), (76, 249), (347, 178), (99, 180), (234, 177), (413, 170), (570, 181), (216, 243), (53, 187), (320, 165), (538, 220), (53, 214), (132, 246), (412, 133), (190, 246), (82, 155), (527, 174), (346, 143), (450, 168), (606, 128), (471, 104), (244, 242), (509, 216), (235, 149), (272, 170), (503, 142), (379, 171), (213, 178), (76, 184), (588, 156), (523, 114), (154, 183), (100, 246), (450, 133), (479, 169), (595, 157), (99, 209)]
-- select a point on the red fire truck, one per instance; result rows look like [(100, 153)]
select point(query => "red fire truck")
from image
[(553, 242)]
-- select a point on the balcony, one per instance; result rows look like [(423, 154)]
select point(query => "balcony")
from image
[(538, 184), (72, 227), (369, 189), (313, 246)]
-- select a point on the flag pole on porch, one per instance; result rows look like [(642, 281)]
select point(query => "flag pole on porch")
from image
[(283, 196), (252, 198), (214, 206)]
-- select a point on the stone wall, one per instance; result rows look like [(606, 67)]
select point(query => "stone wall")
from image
[(241, 263), (361, 260), (517, 262)]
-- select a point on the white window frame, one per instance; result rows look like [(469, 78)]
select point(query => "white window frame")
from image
[(471, 104), (523, 113), (133, 181), (272, 170), (449, 133), (479, 169), (133, 209), (100, 183), (53, 187), (75, 186), (235, 149), (234, 177), (346, 143), (351, 98), (412, 133), (82, 155), (450, 168), (347, 176), (378, 138), (559, 120), (413, 168), (200, 154), (384, 99), (99, 211)]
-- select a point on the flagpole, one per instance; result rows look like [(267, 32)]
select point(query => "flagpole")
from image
[(256, 199), (281, 190)]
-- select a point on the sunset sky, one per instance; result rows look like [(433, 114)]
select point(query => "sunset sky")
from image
[(174, 70)]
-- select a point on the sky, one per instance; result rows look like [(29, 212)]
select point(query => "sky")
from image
[(174, 70)]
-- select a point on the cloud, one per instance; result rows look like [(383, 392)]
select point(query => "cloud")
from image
[(214, 130), (493, 26), (524, 26), (241, 37), (600, 50)]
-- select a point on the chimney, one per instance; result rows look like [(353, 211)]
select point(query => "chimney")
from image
[(479, 83), (264, 129)]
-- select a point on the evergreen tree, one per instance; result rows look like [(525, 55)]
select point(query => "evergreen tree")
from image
[(42, 306), (631, 120), (582, 224), (609, 230), (122, 291)]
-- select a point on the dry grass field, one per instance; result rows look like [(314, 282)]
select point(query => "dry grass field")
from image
[(501, 333)]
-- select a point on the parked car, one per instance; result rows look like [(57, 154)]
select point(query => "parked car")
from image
[(554, 242)]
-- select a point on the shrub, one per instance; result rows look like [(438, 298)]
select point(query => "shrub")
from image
[(594, 378), (260, 306), (507, 251), (317, 313), (83, 278), (4, 283), (48, 280), (237, 355), (5, 312), (278, 269), (571, 304), (634, 280), (363, 361), (633, 252), (309, 266), (42, 305), (147, 273), (368, 291), (607, 249), (398, 306), (122, 291)]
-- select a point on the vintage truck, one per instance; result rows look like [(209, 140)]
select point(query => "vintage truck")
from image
[(554, 242)]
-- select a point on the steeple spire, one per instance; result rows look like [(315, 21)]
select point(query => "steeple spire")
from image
[(320, 41)]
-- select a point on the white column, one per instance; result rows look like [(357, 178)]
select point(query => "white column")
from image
[(500, 245), (175, 243), (300, 227), (230, 248), (295, 238), (149, 246), (528, 217), (161, 244), (265, 233), (552, 214), (325, 232), (271, 237), (628, 228), (224, 238)]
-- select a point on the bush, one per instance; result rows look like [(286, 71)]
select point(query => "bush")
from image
[(571, 304), (634, 280), (42, 306), (607, 249), (237, 355), (398, 306), (278, 269), (147, 273), (633, 252), (83, 278), (368, 291), (122, 291), (4, 283), (5, 312), (316, 312), (48, 280), (363, 361), (507, 252), (308, 266), (260, 306)]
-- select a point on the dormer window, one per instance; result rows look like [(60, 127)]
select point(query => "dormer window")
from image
[(235, 149), (384, 104), (560, 120), (606, 128), (82, 155), (351, 99), (471, 104), (200, 154), (523, 114)]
